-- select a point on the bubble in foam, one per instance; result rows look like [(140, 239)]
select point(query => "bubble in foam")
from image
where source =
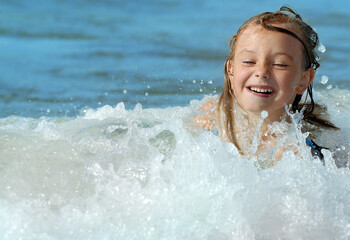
[(322, 48), (324, 79), (264, 114)]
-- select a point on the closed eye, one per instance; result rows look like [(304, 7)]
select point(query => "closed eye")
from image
[(248, 62), (280, 65)]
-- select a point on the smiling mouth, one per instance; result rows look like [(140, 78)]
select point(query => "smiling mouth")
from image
[(265, 91)]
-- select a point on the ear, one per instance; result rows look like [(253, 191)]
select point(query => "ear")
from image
[(228, 66), (229, 72), (305, 80)]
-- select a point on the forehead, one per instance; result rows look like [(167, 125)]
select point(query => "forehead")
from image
[(256, 37)]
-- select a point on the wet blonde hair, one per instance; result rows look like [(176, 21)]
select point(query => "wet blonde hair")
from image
[(289, 19)]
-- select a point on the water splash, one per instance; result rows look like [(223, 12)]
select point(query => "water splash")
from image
[(321, 48), (113, 173), (324, 79), (255, 142)]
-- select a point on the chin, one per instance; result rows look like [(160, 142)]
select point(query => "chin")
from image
[(255, 109)]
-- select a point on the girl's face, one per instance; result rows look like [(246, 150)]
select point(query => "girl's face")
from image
[(267, 71)]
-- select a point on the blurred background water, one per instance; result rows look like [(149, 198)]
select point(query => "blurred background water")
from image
[(60, 56)]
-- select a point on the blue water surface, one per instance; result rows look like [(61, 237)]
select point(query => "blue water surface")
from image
[(59, 57)]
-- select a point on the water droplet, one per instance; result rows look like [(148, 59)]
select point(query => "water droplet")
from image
[(264, 114), (148, 86), (210, 82), (322, 48), (124, 91), (324, 79), (48, 110), (329, 86), (194, 81), (146, 94), (200, 90)]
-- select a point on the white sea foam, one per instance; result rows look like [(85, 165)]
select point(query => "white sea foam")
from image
[(113, 173)]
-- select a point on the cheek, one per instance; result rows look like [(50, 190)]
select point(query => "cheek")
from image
[(236, 84), (239, 78), (289, 81)]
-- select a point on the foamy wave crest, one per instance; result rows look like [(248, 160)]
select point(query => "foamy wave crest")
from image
[(113, 173)]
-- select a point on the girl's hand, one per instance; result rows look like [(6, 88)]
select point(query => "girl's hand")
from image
[(205, 118)]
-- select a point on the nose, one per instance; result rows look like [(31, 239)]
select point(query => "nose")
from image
[(262, 72)]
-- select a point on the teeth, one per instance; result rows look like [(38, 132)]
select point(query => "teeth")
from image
[(261, 90)]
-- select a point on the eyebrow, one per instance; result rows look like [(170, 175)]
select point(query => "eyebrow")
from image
[(246, 51), (284, 54)]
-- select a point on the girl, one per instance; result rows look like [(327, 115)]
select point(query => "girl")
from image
[(271, 64)]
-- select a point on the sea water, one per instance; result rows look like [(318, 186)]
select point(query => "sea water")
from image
[(58, 57), (96, 137)]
